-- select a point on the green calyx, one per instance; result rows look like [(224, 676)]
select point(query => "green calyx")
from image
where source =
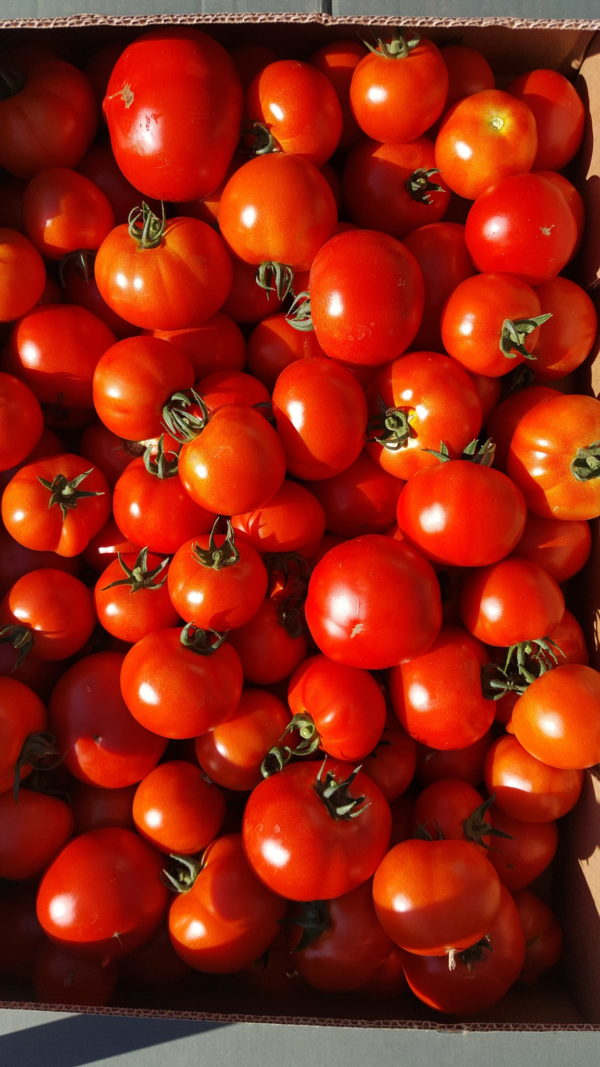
[(21, 638), (420, 186), (288, 586), (276, 278), (39, 751), (523, 664), (514, 332), (145, 227), (399, 47), (391, 427), (202, 642), (66, 492), (312, 916), (279, 755), (218, 556), (469, 957), (182, 874), (139, 577), (473, 453), (299, 316), (159, 463), (179, 417), (12, 79), (336, 796), (260, 139), (83, 262), (585, 465)]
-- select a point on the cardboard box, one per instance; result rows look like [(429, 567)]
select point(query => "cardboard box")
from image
[(512, 45)]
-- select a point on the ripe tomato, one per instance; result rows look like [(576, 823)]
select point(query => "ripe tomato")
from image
[(63, 211), (176, 810), (559, 115), (22, 277), (553, 457), (522, 850), (231, 754), (445, 809), (49, 611), (505, 417), (166, 82), (21, 421), (525, 788), (465, 763), (43, 506), (78, 284), (231, 387), (217, 344), (437, 695), (360, 500), (557, 719), (94, 806), (273, 344), (20, 932), (366, 297), (399, 89), (435, 896), (102, 926), (483, 138), (354, 591), (511, 601), (132, 597), (315, 830), (543, 935), (60, 978), (273, 643), (441, 252), (226, 918), (299, 108), (337, 61), (570, 334), (292, 521), (24, 851), (468, 72)]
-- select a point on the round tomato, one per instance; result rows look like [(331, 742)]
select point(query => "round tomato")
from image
[(176, 809), (525, 788), (557, 719), (543, 935), (337, 61), (231, 387), (232, 753), (441, 252), (559, 115), (298, 107), (520, 850), (464, 763), (63, 211), (49, 611), (132, 597), (568, 339), (293, 520), (392, 762), (273, 643), (24, 851), (360, 500), (21, 421), (217, 344), (505, 417), (468, 72), (274, 343), (60, 978), (22, 277), (445, 809), (511, 601)]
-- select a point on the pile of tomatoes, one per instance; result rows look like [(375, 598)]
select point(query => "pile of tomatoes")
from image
[(294, 482)]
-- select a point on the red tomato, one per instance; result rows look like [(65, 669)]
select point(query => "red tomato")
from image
[(399, 89), (392, 762), (543, 935), (483, 138), (569, 637), (337, 60), (292, 521), (572, 196), (434, 896), (570, 335), (505, 417), (78, 284), (63, 211), (176, 810), (465, 763), (231, 387), (100, 166), (468, 72), (299, 108), (511, 601), (522, 850), (105, 547), (51, 611), (22, 275), (366, 297), (437, 695), (166, 82), (132, 597), (21, 715), (226, 918), (525, 788), (247, 301), (272, 644), (94, 806), (155, 964), (332, 853), (360, 500), (557, 719), (44, 506), (352, 593), (232, 753), (102, 742), (217, 344), (60, 978), (21, 421), (24, 851), (445, 809), (559, 115), (441, 252), (102, 926)]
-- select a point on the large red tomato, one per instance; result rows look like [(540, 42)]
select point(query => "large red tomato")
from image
[(298, 107), (23, 275), (559, 115), (557, 719), (21, 421)]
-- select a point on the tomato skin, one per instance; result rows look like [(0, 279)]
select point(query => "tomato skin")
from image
[(103, 744), (273, 344), (337, 61), (559, 115), (470, 988), (506, 416), (60, 978), (23, 276), (156, 512), (64, 211), (50, 122), (464, 763), (231, 387), (24, 851), (176, 809), (181, 282), (29, 519), (542, 449), (345, 704), (525, 788), (543, 935), (20, 932), (102, 926), (56, 608), (433, 896), (177, 76), (293, 520), (437, 695), (524, 851), (483, 138), (299, 107), (359, 500), (127, 612), (21, 713), (321, 417), (175, 692), (231, 753), (443, 807), (291, 205), (468, 72), (411, 93), (354, 588), (298, 848), (21, 421), (354, 284), (217, 344), (511, 601), (268, 650), (435, 514), (94, 806), (572, 331), (216, 597), (228, 918), (557, 719)]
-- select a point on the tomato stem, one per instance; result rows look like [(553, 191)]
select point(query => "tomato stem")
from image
[(419, 185), (260, 139), (391, 427), (473, 453), (586, 464), (66, 492), (157, 463), (139, 577), (299, 316), (37, 750), (399, 47), (336, 796), (312, 916), (225, 555), (468, 957), (280, 755), (182, 423), (145, 227), (514, 332), (184, 872), (83, 262), (202, 642), (21, 638), (275, 277)]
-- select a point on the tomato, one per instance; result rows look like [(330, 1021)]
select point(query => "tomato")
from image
[(572, 196), (511, 601), (340, 942), (232, 753), (366, 297), (437, 694), (297, 844), (444, 809), (464, 763), (358, 587), (63, 211), (277, 208), (21, 714), (483, 138), (569, 637), (102, 742), (102, 926), (177, 692), (217, 344), (480, 975), (441, 252), (298, 107), (94, 806), (399, 89), (414, 403), (360, 500), (217, 581), (21, 421), (235, 464), (226, 919), (273, 344), (557, 719), (100, 166), (231, 387), (49, 611), (176, 809), (24, 851), (22, 275), (78, 284), (105, 547), (48, 117), (132, 598), (343, 705), (166, 82), (43, 506), (60, 978), (524, 787), (272, 644), (521, 225), (569, 338), (468, 72), (337, 60), (553, 457), (543, 935), (505, 417), (435, 513), (321, 417), (490, 323), (522, 850), (293, 520), (434, 896), (111, 453), (559, 115), (392, 762), (393, 187)]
